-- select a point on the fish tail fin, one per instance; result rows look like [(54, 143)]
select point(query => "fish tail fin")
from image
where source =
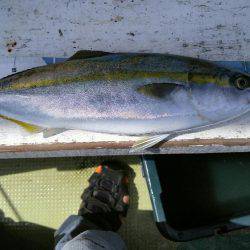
[(34, 129), (30, 128), (147, 142)]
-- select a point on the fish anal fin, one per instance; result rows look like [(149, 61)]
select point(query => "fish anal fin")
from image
[(48, 132), (158, 90), (84, 54)]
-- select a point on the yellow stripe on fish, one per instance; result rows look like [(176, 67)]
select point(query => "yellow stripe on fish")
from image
[(184, 77)]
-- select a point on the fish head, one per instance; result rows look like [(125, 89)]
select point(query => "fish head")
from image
[(223, 99)]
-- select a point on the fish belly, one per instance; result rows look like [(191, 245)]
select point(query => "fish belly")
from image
[(117, 107)]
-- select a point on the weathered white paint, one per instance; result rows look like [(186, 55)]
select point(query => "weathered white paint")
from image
[(212, 29), (215, 30)]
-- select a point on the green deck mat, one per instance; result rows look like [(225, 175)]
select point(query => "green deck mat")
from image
[(37, 195), (45, 192)]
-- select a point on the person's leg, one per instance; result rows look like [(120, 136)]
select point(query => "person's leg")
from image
[(104, 202), (95, 240), (68, 236)]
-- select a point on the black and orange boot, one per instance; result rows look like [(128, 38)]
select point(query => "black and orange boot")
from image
[(105, 200)]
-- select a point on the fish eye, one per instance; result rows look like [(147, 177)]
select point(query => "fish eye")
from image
[(242, 82)]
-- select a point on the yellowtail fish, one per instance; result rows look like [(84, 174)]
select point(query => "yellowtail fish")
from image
[(153, 95)]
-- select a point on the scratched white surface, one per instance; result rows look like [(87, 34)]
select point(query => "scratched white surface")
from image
[(29, 30), (212, 29)]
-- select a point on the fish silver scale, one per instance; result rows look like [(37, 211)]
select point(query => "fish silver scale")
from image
[(116, 106)]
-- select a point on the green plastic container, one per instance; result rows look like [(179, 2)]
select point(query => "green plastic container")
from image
[(196, 196)]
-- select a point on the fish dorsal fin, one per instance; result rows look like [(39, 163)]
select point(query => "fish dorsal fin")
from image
[(158, 90), (31, 128), (84, 54)]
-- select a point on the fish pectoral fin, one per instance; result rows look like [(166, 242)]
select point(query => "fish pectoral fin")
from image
[(48, 132), (31, 128), (158, 90), (84, 54), (147, 142)]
